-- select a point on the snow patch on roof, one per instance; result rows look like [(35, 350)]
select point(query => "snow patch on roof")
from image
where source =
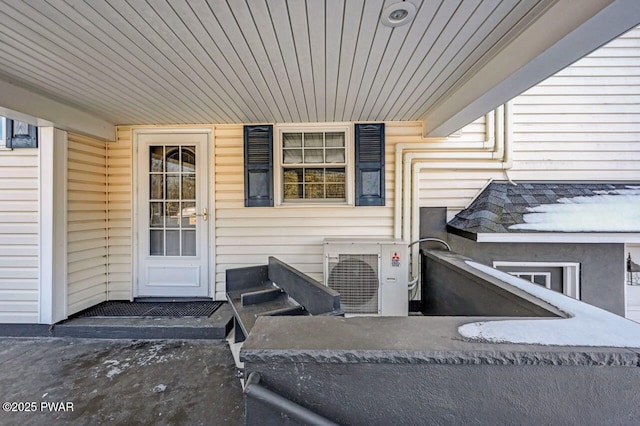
[(609, 211), (586, 325)]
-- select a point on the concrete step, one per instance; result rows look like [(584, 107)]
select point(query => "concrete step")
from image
[(215, 327)]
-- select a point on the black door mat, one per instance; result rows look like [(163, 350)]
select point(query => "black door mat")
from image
[(151, 309)]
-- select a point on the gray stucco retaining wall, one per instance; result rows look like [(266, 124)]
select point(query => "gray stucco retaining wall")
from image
[(601, 265), (405, 394), (418, 370)]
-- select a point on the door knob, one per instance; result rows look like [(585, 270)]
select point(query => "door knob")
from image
[(205, 214)]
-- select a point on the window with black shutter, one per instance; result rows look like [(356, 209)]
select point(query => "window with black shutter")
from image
[(19, 134), (258, 166), (369, 153)]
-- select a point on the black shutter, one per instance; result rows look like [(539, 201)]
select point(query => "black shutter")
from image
[(258, 166), (369, 164), (20, 135)]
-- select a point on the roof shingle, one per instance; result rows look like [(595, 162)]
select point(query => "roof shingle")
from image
[(501, 207)]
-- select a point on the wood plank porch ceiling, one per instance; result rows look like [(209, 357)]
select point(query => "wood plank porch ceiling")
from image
[(196, 61)]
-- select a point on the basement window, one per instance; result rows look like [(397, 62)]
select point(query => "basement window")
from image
[(540, 278), (563, 277)]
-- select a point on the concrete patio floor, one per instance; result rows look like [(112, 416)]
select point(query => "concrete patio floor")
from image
[(133, 382)]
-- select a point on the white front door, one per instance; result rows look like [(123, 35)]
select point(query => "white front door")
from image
[(172, 215)]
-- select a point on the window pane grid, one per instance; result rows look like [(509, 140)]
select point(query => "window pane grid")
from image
[(314, 166), (541, 278), (314, 183), (313, 148), (172, 201)]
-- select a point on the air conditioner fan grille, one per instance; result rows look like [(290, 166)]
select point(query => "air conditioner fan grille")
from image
[(355, 277)]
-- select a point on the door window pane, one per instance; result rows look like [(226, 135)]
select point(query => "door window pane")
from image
[(189, 187), (173, 243), (172, 201), (156, 215), (189, 217), (173, 187), (156, 243), (156, 159), (173, 215), (156, 186), (188, 243), (173, 159), (188, 160)]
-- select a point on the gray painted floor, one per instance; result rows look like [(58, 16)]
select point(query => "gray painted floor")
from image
[(119, 382)]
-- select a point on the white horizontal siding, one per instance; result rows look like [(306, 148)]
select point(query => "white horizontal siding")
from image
[(120, 178), (86, 223), (245, 236), (294, 234), (581, 124), (19, 236), (584, 122), (453, 189)]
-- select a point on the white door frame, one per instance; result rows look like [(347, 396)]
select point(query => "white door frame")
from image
[(208, 203)]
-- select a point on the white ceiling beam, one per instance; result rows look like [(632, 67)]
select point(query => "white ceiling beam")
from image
[(25, 105), (564, 33)]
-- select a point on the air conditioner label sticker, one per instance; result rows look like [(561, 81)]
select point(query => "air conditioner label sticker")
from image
[(395, 260)]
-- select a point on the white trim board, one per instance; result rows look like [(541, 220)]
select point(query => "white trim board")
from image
[(26, 105), (551, 237), (52, 157)]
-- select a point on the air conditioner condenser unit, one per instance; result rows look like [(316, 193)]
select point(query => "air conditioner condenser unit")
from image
[(371, 275)]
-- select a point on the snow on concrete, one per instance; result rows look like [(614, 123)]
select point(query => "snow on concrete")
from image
[(586, 325), (146, 355), (609, 211), (159, 388), (114, 367)]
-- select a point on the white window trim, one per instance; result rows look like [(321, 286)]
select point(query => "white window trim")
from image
[(570, 273), (347, 128), (546, 275), (3, 133)]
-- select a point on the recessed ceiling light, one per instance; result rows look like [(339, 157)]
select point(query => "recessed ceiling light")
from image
[(398, 14)]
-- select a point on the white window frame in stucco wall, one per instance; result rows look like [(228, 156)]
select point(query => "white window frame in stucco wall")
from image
[(523, 274), (278, 174), (570, 273)]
